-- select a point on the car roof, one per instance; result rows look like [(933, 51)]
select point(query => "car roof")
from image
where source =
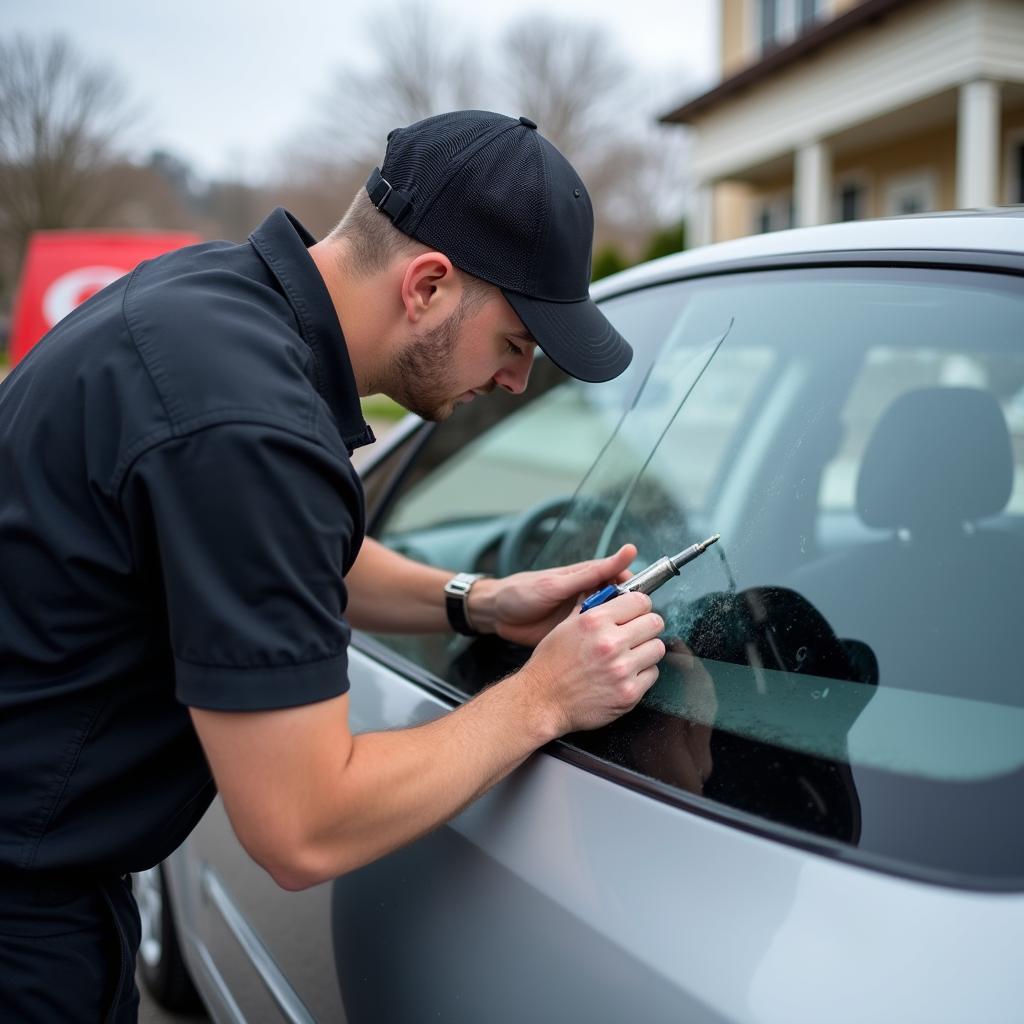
[(996, 230)]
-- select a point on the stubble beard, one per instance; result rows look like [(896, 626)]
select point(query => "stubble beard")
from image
[(423, 374)]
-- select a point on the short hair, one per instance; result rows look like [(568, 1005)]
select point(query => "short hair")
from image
[(374, 242)]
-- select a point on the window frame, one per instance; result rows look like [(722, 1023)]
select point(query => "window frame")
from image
[(977, 260), (1014, 159), (923, 179), (791, 22), (779, 209), (858, 179)]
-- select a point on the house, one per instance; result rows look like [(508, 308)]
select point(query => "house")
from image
[(835, 110)]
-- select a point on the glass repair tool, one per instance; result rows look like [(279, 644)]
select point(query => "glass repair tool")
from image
[(648, 580)]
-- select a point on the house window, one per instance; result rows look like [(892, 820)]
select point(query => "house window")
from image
[(779, 22), (851, 202), (775, 213), (913, 193), (769, 14), (807, 12)]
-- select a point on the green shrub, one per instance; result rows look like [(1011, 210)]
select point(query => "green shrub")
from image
[(380, 407), (665, 241), (607, 261)]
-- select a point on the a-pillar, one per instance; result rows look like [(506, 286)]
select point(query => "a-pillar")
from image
[(977, 145)]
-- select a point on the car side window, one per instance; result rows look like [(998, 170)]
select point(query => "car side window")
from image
[(491, 483), (849, 648)]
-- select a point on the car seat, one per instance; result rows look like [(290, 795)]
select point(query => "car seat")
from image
[(938, 600)]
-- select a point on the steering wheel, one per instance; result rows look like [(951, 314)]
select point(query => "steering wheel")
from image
[(531, 530), (529, 533)]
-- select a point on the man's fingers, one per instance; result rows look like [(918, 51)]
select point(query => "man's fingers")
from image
[(650, 652), (647, 678), (626, 607), (601, 569), (643, 628), (587, 577)]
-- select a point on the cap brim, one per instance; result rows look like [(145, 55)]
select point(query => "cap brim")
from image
[(576, 336)]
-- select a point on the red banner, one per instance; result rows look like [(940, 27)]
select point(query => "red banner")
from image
[(64, 268)]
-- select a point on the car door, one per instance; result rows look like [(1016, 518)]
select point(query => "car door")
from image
[(739, 847)]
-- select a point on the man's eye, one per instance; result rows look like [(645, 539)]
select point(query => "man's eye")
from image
[(514, 349)]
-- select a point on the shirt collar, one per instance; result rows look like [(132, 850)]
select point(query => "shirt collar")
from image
[(282, 243)]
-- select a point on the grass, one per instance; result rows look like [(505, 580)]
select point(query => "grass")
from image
[(380, 407)]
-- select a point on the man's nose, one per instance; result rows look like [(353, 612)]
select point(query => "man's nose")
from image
[(515, 378)]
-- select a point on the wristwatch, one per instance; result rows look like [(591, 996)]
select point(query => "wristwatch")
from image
[(456, 601)]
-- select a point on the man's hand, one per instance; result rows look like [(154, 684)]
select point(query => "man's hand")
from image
[(526, 606), (591, 669)]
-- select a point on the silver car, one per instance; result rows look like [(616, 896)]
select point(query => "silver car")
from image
[(815, 814)]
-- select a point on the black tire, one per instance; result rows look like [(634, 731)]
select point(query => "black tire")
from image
[(161, 966)]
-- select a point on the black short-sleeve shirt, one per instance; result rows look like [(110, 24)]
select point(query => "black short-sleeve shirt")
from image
[(177, 513)]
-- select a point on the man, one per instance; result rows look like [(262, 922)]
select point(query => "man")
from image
[(181, 535)]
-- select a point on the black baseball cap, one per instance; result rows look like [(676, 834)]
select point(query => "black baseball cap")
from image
[(503, 204)]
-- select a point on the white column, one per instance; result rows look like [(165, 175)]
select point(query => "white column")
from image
[(977, 145), (812, 185), (701, 228)]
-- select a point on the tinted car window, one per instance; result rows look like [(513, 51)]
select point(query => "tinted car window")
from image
[(856, 436), (855, 625)]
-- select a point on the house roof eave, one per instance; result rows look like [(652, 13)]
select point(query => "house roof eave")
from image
[(857, 17)]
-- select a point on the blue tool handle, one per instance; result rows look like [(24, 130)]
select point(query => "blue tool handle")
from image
[(599, 598)]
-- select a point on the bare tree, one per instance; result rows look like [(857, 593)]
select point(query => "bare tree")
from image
[(418, 68), (570, 78), (319, 193), (59, 119)]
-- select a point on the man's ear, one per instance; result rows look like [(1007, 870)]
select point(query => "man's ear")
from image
[(429, 286)]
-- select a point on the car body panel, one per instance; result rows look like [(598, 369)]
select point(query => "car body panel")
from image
[(986, 233), (560, 895)]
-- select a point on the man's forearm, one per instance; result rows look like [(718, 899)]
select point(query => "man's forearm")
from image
[(391, 593), (398, 786), (309, 801)]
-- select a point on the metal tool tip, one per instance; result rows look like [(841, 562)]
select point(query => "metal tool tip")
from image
[(711, 540)]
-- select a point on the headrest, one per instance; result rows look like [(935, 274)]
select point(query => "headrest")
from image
[(938, 457)]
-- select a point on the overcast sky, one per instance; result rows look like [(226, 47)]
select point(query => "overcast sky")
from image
[(225, 83)]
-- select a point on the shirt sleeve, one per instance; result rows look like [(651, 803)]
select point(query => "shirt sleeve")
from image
[(251, 528)]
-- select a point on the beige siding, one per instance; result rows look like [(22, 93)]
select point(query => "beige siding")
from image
[(877, 169), (732, 214), (734, 35), (837, 7), (1002, 38), (934, 151)]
